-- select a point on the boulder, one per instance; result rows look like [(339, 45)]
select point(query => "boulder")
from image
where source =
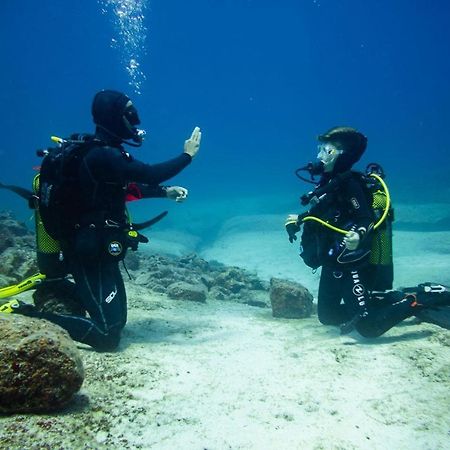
[(185, 291), (289, 299), (40, 366)]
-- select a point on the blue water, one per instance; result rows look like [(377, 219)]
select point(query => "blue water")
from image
[(262, 78)]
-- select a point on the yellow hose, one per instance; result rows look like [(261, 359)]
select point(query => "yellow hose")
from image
[(388, 200), (382, 218), (325, 224)]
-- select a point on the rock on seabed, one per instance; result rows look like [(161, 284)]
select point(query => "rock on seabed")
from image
[(40, 366)]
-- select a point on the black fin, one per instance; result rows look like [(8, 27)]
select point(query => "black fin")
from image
[(439, 316)]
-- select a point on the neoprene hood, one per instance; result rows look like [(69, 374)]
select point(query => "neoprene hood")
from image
[(111, 113)]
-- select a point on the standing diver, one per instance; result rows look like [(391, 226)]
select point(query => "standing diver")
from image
[(81, 197), (342, 233)]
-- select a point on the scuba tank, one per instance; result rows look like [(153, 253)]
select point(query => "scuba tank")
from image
[(381, 255), (49, 255)]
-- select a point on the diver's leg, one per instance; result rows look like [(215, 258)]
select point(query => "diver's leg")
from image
[(369, 318), (382, 318), (101, 290), (329, 308), (389, 309), (356, 298), (355, 293)]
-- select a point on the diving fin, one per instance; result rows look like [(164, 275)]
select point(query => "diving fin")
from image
[(149, 223), (24, 193), (438, 316), (427, 288), (429, 295), (25, 285), (17, 307), (433, 303)]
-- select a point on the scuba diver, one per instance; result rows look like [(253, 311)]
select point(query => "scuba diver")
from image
[(82, 224), (347, 231)]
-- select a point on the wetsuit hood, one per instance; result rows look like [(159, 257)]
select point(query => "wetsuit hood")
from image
[(114, 113)]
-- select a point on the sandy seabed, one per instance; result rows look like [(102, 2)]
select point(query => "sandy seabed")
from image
[(223, 375)]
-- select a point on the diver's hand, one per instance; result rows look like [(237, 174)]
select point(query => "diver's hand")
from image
[(292, 227), (177, 193), (351, 240), (192, 144)]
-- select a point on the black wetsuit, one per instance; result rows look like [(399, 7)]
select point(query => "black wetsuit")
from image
[(91, 250), (345, 288)]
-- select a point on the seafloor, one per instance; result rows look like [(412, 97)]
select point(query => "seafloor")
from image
[(226, 375)]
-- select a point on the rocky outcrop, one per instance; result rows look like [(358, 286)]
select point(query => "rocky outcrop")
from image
[(191, 277), (289, 299), (17, 250), (40, 366)]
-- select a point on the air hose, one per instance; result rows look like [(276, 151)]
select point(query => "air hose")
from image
[(380, 221)]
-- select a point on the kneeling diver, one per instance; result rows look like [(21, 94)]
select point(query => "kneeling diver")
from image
[(348, 235), (92, 226)]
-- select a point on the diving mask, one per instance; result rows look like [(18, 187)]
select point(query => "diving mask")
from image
[(328, 154)]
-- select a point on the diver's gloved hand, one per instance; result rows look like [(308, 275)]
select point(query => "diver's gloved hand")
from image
[(348, 327), (351, 240), (192, 144), (292, 227), (177, 193)]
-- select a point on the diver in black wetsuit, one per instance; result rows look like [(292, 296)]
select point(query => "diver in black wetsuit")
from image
[(348, 281), (94, 244)]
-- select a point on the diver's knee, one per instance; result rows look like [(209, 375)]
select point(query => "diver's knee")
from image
[(109, 342), (328, 319)]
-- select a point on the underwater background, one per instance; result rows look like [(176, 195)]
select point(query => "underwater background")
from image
[(261, 78)]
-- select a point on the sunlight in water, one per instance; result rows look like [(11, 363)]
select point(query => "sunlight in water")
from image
[(130, 34)]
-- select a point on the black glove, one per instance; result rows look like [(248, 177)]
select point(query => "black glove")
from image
[(292, 229)]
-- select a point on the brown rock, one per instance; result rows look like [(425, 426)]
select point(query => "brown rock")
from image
[(290, 300), (40, 366)]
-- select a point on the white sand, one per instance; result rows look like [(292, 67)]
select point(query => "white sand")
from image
[(228, 376)]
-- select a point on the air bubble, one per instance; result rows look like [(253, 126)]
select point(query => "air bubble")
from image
[(128, 17)]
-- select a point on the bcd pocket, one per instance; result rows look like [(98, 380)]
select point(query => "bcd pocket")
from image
[(88, 243), (313, 245)]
